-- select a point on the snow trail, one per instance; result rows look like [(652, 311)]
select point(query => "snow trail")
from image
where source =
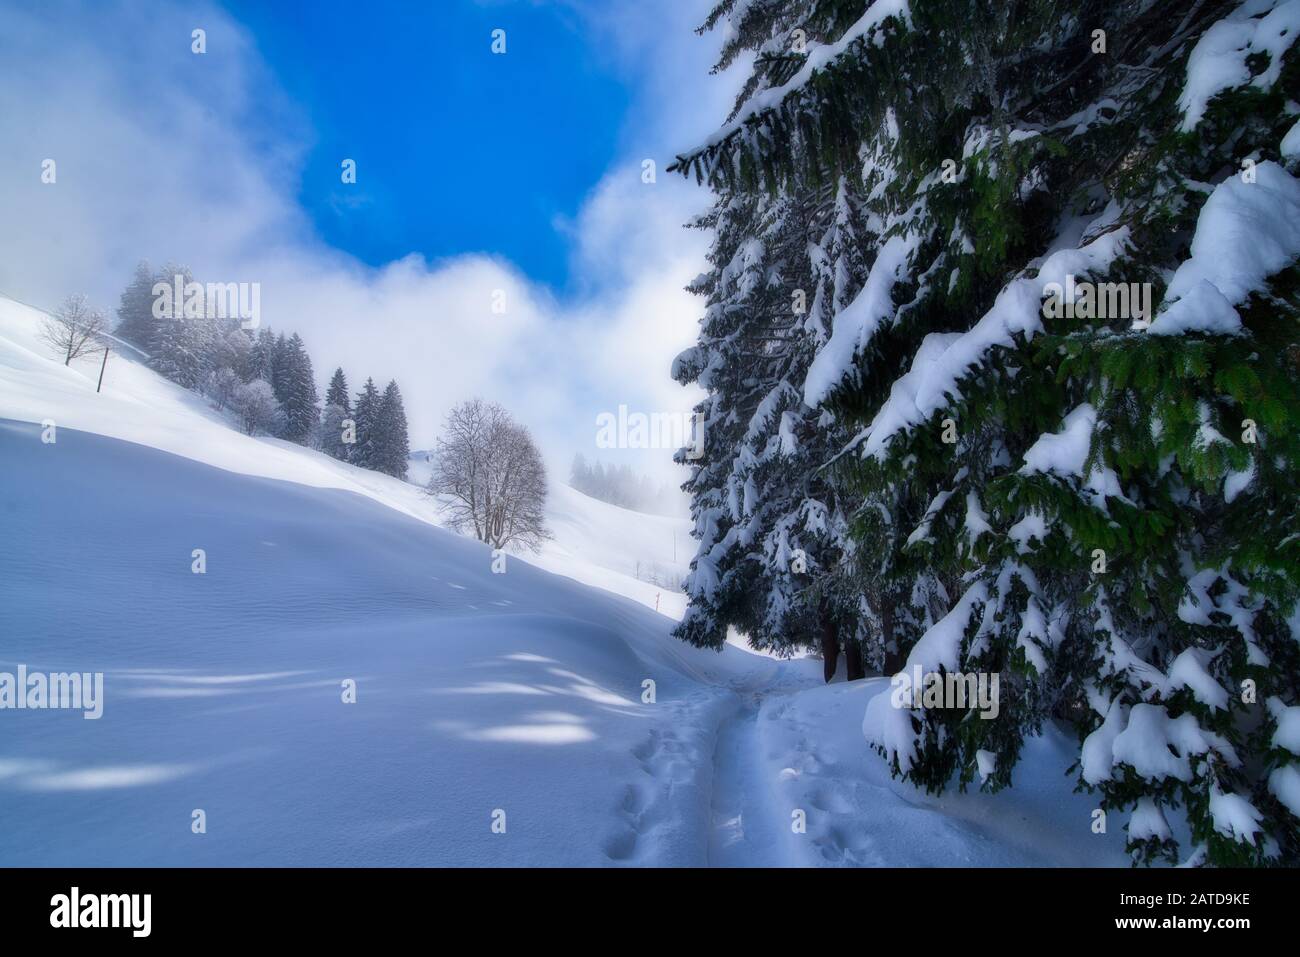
[(749, 825), (745, 828)]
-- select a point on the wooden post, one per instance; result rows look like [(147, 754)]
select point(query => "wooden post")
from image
[(101, 370)]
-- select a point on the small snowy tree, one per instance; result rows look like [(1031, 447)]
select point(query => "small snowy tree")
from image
[(254, 403), (221, 386), (338, 409), (230, 348), (72, 329), (336, 393)]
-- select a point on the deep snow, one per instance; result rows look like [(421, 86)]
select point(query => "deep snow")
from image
[(476, 692)]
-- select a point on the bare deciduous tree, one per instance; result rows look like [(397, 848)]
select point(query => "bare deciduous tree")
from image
[(491, 471), (71, 330)]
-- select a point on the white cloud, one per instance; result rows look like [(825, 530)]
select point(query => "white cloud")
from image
[(168, 155)]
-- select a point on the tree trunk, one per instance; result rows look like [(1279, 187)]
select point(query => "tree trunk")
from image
[(830, 649), (853, 660), (894, 660)]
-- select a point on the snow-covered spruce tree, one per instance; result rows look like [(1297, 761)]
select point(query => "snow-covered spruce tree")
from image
[(392, 445), (337, 391), (1100, 510), (338, 409), (580, 474), (771, 530), (179, 345), (297, 395), (229, 347), (135, 318), (261, 356), (364, 451), (280, 368)]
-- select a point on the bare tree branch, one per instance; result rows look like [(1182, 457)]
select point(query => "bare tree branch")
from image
[(72, 329)]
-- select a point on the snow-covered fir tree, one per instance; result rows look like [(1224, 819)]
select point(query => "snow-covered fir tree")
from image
[(179, 345), (297, 395), (773, 535), (229, 348), (1047, 480), (135, 318), (336, 393), (338, 409), (280, 368), (366, 415), (392, 447), (261, 356)]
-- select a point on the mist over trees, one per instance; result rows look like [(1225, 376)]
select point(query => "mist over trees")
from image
[(265, 379), (490, 476), (622, 486)]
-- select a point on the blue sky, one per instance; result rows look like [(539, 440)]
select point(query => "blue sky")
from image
[(458, 149), (478, 174)]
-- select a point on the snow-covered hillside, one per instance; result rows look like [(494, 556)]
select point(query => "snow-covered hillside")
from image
[(595, 543), (629, 553), (481, 698)]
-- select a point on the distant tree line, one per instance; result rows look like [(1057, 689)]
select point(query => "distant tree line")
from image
[(266, 380), (620, 485)]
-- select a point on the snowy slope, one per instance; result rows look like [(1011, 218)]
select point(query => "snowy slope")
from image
[(476, 692), (629, 553), (595, 543), (139, 406)]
